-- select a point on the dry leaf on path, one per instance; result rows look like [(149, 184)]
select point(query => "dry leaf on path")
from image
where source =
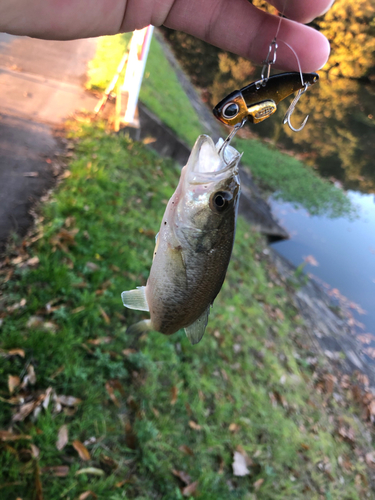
[(81, 449), (239, 465), (62, 437)]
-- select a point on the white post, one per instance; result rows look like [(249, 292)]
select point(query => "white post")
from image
[(139, 48)]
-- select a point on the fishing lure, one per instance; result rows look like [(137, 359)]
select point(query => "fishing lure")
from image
[(259, 100)]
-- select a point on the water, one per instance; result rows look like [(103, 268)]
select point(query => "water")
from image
[(344, 251)]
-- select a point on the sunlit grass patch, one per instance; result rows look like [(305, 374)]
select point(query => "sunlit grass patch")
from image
[(154, 405)]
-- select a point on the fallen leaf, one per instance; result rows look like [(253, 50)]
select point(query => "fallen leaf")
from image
[(68, 400), (239, 465), (65, 174), (258, 484), (92, 266), (184, 476), (190, 489), (100, 340), (33, 261), (38, 491), (105, 315), (10, 436), (62, 437), (111, 394), (30, 377), (87, 494), (81, 450), (56, 470), (93, 471), (78, 309), (174, 394), (185, 449), (34, 321), (12, 352), (57, 372), (194, 425), (70, 221), (126, 352), (34, 451), (347, 434), (13, 382), (233, 427), (27, 408), (17, 305)]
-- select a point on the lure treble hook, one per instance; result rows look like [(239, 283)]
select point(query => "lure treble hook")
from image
[(292, 107)]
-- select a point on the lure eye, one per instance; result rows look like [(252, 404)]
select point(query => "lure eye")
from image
[(231, 110), (220, 201)]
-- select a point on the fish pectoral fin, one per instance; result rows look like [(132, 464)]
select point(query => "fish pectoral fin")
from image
[(140, 327), (195, 331), (135, 299)]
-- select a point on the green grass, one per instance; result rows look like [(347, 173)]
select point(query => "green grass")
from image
[(292, 180), (246, 384)]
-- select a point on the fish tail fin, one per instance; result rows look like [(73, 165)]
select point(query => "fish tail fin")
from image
[(140, 327)]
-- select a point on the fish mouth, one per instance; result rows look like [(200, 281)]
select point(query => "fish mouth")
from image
[(208, 161)]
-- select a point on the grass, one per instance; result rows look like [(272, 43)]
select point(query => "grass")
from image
[(154, 405)]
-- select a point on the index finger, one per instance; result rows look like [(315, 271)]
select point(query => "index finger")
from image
[(239, 27)]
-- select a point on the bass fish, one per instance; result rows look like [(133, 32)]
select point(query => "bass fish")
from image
[(193, 246)]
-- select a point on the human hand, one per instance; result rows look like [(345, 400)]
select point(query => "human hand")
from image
[(233, 25)]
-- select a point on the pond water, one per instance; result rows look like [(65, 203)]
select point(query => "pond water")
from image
[(339, 253)]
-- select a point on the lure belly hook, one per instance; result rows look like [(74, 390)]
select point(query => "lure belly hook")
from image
[(259, 100)]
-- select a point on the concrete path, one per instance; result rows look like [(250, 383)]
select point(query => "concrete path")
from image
[(41, 84)]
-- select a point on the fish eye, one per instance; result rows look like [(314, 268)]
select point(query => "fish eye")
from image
[(220, 201), (231, 110)]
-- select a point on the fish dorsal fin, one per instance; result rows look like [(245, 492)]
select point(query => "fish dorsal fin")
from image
[(195, 331), (135, 299)]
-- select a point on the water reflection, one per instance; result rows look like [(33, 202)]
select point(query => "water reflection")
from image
[(344, 250)]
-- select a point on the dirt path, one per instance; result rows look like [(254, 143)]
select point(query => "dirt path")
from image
[(41, 84)]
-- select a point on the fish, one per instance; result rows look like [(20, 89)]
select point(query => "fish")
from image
[(194, 244), (257, 101)]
